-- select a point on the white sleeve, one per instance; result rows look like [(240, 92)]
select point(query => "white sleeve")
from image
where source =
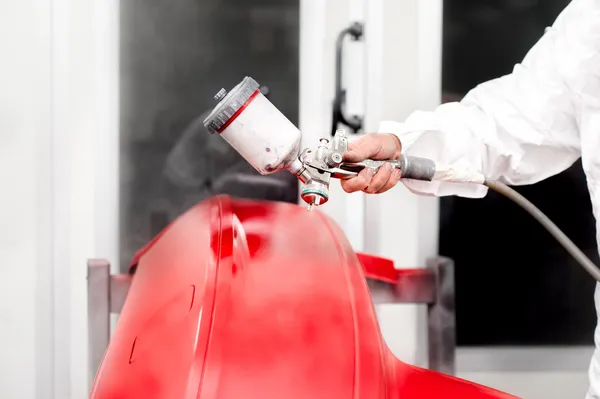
[(521, 128)]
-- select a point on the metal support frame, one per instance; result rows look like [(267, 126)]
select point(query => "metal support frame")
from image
[(106, 296), (433, 286)]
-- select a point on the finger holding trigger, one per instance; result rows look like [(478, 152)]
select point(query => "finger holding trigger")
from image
[(380, 179), (359, 182)]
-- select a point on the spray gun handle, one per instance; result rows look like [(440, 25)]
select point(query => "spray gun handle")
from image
[(411, 167)]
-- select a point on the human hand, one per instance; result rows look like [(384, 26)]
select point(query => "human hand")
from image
[(376, 146)]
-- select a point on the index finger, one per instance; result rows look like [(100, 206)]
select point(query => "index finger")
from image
[(362, 148)]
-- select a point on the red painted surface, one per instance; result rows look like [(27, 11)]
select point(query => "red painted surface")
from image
[(235, 300), (378, 268)]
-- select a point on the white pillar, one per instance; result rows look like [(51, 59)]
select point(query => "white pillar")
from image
[(393, 71), (320, 23), (403, 52), (58, 154), (25, 206), (85, 131)]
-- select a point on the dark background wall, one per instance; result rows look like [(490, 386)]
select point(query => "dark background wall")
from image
[(515, 284), (175, 55)]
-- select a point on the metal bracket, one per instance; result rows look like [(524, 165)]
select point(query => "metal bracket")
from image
[(434, 287), (106, 296)]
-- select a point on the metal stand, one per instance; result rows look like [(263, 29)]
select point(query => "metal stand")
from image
[(433, 286), (106, 295)]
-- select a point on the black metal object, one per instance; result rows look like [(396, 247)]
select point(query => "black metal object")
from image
[(433, 286), (354, 122)]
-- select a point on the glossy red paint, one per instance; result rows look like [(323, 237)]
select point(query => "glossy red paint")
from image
[(378, 268), (247, 299)]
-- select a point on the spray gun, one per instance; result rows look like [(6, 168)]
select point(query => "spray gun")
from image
[(326, 162), (259, 132), (252, 125)]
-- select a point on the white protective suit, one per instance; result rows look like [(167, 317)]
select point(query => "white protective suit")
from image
[(526, 126)]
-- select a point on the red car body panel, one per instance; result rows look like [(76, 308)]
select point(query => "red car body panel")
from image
[(248, 299)]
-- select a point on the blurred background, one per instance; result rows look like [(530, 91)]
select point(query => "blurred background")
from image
[(102, 145)]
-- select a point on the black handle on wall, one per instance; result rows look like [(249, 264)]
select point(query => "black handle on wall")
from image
[(354, 122)]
